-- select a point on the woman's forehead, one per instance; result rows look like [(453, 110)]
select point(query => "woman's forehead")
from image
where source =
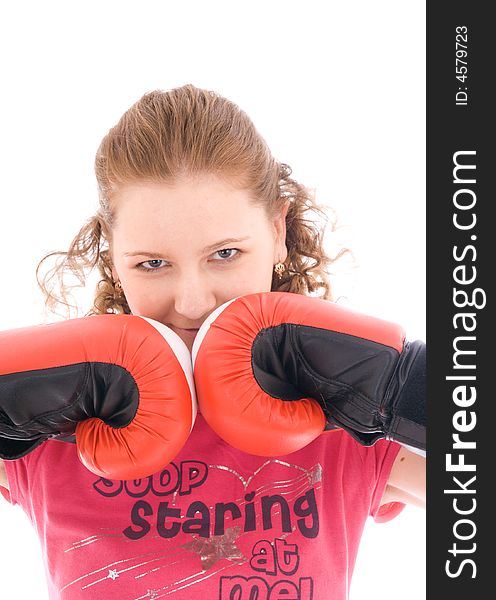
[(172, 208), (200, 214), (184, 199)]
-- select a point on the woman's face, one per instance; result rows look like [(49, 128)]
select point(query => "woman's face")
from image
[(182, 250)]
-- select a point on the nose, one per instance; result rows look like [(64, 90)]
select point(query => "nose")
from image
[(194, 298)]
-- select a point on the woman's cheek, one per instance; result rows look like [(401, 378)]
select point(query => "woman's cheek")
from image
[(257, 277), (146, 301)]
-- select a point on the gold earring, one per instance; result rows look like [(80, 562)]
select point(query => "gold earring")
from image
[(279, 269), (118, 293)]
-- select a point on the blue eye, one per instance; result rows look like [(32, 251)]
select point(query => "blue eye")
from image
[(227, 253), (154, 264)]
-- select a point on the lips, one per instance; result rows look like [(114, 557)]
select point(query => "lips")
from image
[(186, 334)]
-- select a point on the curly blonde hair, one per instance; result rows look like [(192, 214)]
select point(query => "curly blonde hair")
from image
[(187, 131)]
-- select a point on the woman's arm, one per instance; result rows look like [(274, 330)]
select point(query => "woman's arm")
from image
[(407, 480), (3, 476)]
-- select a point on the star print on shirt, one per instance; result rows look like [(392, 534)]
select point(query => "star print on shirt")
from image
[(214, 549), (112, 574)]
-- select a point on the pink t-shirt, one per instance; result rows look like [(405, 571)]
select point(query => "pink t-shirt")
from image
[(215, 524)]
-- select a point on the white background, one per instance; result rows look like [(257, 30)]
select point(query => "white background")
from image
[(336, 88)]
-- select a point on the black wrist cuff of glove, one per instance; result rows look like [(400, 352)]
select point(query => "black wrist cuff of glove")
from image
[(407, 422), (12, 449)]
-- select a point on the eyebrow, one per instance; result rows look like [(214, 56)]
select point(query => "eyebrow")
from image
[(206, 249)]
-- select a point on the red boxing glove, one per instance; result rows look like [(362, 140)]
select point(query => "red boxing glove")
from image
[(123, 384), (272, 369)]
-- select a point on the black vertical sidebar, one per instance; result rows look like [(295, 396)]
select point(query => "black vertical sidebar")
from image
[(461, 267)]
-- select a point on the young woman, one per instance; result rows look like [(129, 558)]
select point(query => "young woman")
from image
[(194, 212)]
